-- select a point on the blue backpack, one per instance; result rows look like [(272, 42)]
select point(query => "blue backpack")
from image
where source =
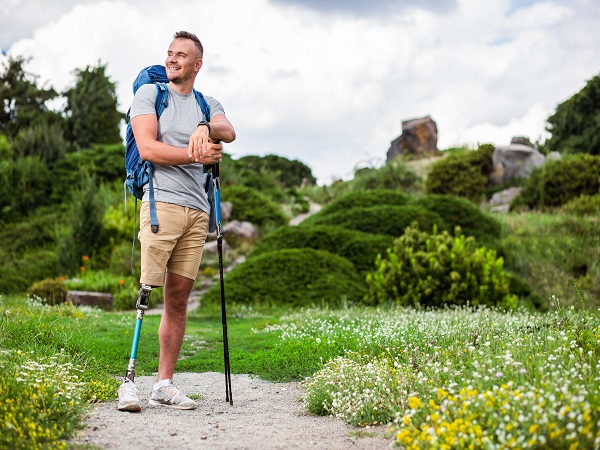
[(139, 172)]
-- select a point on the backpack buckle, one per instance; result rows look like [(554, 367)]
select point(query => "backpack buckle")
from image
[(154, 228)]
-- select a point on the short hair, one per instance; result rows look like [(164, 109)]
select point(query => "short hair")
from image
[(192, 37)]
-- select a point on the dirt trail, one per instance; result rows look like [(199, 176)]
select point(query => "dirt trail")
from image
[(264, 416)]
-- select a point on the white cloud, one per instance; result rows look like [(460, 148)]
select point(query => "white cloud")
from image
[(332, 90)]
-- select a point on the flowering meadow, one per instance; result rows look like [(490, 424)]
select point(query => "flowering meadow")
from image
[(472, 378)]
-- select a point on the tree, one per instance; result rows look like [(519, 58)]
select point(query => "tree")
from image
[(92, 112), (22, 102), (575, 126)]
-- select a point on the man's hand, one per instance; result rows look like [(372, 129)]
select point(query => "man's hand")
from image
[(198, 146), (213, 154)]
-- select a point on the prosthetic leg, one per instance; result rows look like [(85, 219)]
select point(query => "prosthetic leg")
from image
[(141, 305)]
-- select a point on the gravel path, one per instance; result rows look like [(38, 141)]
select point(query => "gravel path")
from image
[(264, 416)]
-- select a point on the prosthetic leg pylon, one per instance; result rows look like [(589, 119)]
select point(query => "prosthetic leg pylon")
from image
[(141, 306)]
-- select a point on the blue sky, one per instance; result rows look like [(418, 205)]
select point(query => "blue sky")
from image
[(329, 82)]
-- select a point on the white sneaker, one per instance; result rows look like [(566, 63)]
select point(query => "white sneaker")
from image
[(171, 396), (129, 397)]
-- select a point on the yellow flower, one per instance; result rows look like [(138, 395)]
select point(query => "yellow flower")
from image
[(533, 428), (414, 402), (406, 420)]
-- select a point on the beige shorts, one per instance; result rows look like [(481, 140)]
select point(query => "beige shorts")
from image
[(178, 245)]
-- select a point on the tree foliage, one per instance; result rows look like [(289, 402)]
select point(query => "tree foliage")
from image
[(575, 126), (22, 101), (92, 108)]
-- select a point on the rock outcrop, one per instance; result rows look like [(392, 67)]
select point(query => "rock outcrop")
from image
[(418, 139)]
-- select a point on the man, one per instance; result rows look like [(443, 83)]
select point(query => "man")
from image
[(178, 144)]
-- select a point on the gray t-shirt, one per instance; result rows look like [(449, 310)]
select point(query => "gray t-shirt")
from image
[(181, 185)]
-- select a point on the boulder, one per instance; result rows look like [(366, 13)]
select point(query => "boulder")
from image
[(418, 139), (500, 201), (245, 230), (226, 208), (100, 299), (210, 247), (240, 233), (514, 161)]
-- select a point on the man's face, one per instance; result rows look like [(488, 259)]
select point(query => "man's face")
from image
[(183, 61)]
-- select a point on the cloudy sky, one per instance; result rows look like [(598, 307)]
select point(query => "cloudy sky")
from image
[(328, 82)]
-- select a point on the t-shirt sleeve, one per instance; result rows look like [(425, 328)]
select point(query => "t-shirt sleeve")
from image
[(215, 106), (144, 101)]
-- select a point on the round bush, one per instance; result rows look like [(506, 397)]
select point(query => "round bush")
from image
[(559, 181), (52, 291), (359, 248), (384, 219), (458, 211), (360, 199), (584, 205), (436, 269), (464, 174), (252, 206), (295, 277)]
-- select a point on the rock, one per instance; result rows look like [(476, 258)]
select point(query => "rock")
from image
[(211, 247), (241, 229), (418, 139), (226, 208), (100, 299), (521, 140), (514, 161), (500, 201), (553, 156)]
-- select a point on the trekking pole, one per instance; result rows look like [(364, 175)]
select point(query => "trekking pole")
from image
[(141, 306), (217, 193)]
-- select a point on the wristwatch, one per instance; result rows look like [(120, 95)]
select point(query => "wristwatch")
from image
[(204, 122)]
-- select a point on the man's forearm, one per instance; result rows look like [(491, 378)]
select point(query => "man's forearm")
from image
[(221, 129), (158, 152)]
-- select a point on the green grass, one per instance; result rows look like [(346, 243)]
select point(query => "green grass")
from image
[(555, 253), (452, 371)]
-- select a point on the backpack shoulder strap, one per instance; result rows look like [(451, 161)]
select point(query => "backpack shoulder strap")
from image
[(204, 106), (162, 98)]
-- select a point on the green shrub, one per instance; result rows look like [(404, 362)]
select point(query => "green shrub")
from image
[(358, 247), (384, 219), (22, 269), (360, 199), (458, 211), (559, 181), (291, 277), (584, 205), (437, 269), (104, 163), (396, 174), (52, 291), (252, 206), (465, 174)]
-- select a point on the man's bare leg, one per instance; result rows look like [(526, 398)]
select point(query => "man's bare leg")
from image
[(172, 325)]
